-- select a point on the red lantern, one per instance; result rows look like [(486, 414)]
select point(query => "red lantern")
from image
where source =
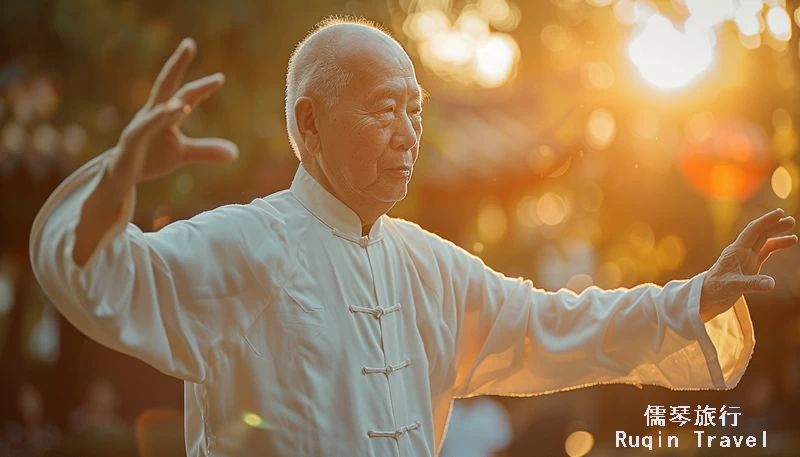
[(730, 164)]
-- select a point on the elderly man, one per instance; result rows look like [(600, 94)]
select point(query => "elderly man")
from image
[(309, 323)]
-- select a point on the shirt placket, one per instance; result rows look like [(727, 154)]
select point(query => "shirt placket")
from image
[(386, 315)]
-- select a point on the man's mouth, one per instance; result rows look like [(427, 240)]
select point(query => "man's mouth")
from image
[(404, 171)]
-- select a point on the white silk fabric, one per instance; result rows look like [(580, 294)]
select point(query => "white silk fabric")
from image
[(297, 336)]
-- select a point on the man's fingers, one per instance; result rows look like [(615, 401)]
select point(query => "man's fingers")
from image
[(781, 226), (776, 244), (756, 283), (154, 119), (750, 234), (193, 93), (171, 74), (209, 150)]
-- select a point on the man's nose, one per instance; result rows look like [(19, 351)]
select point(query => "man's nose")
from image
[(405, 137)]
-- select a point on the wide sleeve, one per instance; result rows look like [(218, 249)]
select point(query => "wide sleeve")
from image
[(171, 298), (514, 339)]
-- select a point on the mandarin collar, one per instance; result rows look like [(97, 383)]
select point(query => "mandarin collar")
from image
[(330, 210)]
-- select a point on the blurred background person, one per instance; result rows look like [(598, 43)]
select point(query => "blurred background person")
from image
[(98, 411), (33, 433), (479, 427)]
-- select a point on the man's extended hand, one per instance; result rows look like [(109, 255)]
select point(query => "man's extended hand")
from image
[(152, 144), (736, 272)]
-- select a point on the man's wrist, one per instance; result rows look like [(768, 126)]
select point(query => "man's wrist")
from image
[(111, 189), (707, 316), (101, 209)]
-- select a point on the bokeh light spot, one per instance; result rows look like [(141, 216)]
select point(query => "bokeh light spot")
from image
[(579, 443), (779, 23), (495, 59), (555, 38), (748, 23), (597, 75), (600, 129), (782, 183), (551, 209), (526, 212)]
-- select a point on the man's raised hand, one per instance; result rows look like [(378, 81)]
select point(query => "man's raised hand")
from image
[(736, 272), (152, 145)]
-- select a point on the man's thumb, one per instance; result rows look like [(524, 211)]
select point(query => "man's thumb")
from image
[(210, 150), (759, 283)]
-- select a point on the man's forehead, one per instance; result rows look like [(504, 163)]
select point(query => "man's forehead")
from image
[(395, 87)]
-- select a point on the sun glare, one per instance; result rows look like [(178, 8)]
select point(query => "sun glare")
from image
[(666, 57)]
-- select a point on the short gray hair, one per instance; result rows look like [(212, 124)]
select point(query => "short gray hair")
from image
[(317, 73)]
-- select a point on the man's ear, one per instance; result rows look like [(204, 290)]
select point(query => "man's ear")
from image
[(305, 114)]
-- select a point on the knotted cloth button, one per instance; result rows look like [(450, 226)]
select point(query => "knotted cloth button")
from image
[(396, 433)]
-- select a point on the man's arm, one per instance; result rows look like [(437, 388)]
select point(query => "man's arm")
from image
[(512, 338), (105, 205), (515, 339), (169, 298)]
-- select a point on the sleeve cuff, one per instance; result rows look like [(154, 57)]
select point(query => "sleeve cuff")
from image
[(727, 341), (60, 215)]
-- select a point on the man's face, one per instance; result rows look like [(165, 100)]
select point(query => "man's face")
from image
[(370, 138)]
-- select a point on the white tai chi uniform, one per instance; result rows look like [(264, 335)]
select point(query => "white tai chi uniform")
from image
[(350, 345)]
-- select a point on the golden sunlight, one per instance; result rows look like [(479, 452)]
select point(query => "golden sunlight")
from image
[(667, 58)]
